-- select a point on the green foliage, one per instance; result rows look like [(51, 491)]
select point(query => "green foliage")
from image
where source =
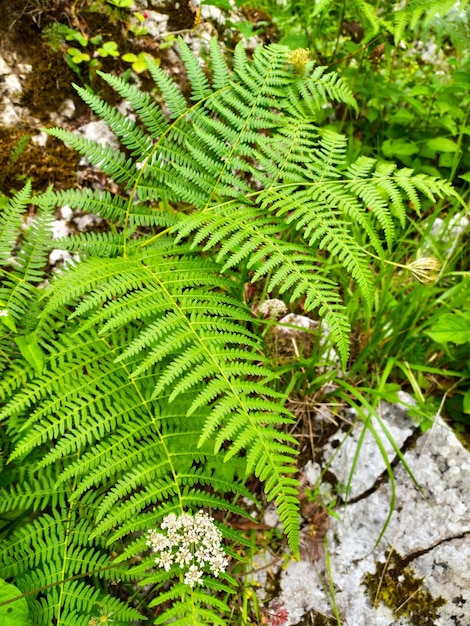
[(152, 395), (96, 46), (16, 612), (408, 67)]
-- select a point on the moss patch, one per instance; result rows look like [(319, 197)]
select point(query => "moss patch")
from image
[(396, 585), (21, 159)]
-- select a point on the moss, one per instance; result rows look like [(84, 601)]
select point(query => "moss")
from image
[(49, 83), (396, 585), (54, 164), (181, 16)]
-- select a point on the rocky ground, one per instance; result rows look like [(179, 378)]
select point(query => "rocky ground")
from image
[(351, 572)]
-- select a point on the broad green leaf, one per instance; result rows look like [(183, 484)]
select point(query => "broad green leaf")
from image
[(466, 402), (403, 117), (220, 4), (7, 320), (294, 41), (442, 144), (451, 327), (28, 345), (399, 147), (14, 613)]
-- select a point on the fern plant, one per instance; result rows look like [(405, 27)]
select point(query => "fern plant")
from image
[(154, 397)]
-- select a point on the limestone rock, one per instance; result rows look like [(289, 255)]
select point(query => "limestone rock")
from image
[(429, 532)]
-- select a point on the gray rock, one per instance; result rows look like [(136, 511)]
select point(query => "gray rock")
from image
[(85, 222), (4, 67), (40, 139), (156, 24), (66, 213), (12, 87), (67, 109), (8, 113), (58, 256), (429, 528), (60, 229), (99, 132)]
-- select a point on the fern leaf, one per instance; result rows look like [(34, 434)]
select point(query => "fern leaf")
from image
[(174, 100), (149, 112), (131, 136), (112, 162), (220, 72), (10, 219), (199, 83)]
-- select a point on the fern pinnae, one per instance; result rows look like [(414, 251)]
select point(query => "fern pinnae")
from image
[(10, 220), (112, 162), (220, 71), (172, 96), (130, 135), (150, 114), (102, 245), (199, 84)]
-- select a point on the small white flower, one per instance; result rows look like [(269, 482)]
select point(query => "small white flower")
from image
[(165, 560), (3, 312), (169, 521), (183, 557), (273, 309), (193, 543), (193, 576)]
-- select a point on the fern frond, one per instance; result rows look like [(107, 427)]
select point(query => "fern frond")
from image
[(220, 71), (10, 220), (112, 162), (172, 96), (153, 396), (18, 290), (50, 552), (290, 266), (310, 93), (103, 245), (35, 493), (131, 136), (199, 84), (150, 114), (195, 337), (113, 207)]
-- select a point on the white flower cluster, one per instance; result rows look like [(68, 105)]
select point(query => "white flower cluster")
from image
[(193, 543), (273, 309)]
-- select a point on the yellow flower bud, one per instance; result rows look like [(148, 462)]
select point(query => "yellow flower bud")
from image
[(299, 59)]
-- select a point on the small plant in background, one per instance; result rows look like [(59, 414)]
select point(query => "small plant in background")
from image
[(139, 61), (95, 47), (276, 614)]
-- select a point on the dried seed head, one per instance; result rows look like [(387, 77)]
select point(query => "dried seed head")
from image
[(426, 269)]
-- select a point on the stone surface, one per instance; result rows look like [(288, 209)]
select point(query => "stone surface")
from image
[(8, 113), (58, 256), (99, 132), (430, 529), (59, 229), (4, 68)]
